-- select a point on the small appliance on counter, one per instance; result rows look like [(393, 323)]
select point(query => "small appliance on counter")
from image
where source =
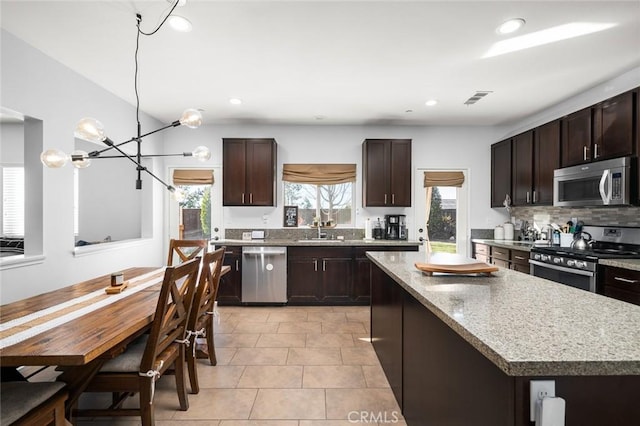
[(378, 230), (396, 227)]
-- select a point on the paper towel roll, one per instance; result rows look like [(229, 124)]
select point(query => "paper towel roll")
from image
[(367, 229)]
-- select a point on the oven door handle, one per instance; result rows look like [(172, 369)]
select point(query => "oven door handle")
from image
[(562, 268)]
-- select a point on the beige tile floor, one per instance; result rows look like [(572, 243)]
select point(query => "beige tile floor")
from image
[(283, 366)]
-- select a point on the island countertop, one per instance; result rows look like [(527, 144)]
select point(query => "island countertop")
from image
[(527, 326)]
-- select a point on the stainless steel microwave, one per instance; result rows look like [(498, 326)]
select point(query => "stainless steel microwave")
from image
[(604, 183)]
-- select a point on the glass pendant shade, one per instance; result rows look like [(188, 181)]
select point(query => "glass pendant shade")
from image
[(201, 153), (191, 118), (80, 159), (90, 129), (53, 158)]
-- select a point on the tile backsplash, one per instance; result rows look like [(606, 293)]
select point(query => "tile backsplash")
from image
[(621, 216)]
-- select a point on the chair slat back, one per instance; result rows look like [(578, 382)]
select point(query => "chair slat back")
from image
[(207, 288), (185, 249), (172, 311)]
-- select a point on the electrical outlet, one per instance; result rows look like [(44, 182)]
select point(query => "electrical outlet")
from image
[(538, 389)]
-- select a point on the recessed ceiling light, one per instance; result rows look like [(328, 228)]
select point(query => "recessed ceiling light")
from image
[(550, 35), (510, 26), (179, 23), (235, 101), (431, 102)]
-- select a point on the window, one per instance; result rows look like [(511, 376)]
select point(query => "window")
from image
[(322, 192), (13, 201), (327, 202)]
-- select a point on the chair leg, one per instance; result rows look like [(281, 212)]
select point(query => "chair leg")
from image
[(146, 403), (192, 368), (180, 380), (211, 349)]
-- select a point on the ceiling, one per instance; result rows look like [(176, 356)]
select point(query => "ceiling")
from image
[(333, 62)]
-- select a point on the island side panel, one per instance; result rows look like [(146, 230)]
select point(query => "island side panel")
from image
[(446, 381), (386, 327)]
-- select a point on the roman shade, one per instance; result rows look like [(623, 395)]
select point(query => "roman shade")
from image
[(443, 179), (193, 177), (319, 174)]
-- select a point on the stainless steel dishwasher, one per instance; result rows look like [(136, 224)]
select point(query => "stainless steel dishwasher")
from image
[(264, 275)]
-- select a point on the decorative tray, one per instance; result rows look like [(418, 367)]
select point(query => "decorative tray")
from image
[(467, 268)]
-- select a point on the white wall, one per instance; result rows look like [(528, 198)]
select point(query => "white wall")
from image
[(435, 147), (11, 143), (37, 86)]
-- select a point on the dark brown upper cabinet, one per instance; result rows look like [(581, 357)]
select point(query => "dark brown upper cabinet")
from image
[(546, 158), (386, 173), (613, 127), (500, 172), (522, 168), (602, 131), (577, 138), (249, 172)]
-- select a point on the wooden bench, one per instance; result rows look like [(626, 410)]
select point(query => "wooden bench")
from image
[(32, 403)]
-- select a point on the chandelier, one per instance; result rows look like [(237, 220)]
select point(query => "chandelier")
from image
[(92, 130)]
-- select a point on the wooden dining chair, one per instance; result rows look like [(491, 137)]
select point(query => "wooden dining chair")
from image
[(147, 358), (200, 322), (185, 249)]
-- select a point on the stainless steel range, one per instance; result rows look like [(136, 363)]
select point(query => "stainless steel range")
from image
[(579, 268)]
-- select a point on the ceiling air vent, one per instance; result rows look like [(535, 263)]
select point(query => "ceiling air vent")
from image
[(477, 96)]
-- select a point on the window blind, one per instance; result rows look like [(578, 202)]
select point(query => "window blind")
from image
[(443, 179), (13, 201), (192, 177), (319, 174)]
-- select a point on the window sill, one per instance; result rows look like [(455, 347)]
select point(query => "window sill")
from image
[(20, 261), (92, 249)]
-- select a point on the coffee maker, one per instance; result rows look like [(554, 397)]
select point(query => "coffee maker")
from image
[(396, 227)]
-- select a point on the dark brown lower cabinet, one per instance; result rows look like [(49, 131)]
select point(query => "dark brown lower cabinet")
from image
[(319, 275), (621, 284), (439, 379), (332, 275), (230, 288)]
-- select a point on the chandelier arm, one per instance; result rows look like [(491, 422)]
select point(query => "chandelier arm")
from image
[(140, 166), (96, 154)]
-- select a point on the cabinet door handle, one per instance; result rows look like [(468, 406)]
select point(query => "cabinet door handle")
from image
[(534, 197), (385, 198), (324, 265), (237, 265), (498, 252), (315, 265), (625, 280), (585, 150), (528, 198), (251, 198), (243, 198), (595, 150), (393, 198), (519, 257)]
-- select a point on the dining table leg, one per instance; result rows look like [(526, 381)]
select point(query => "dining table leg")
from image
[(77, 379)]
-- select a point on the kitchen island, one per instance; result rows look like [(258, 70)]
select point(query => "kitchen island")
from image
[(462, 350)]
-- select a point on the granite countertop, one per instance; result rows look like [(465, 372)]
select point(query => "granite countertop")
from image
[(527, 326), (314, 243), (633, 264), (509, 244)]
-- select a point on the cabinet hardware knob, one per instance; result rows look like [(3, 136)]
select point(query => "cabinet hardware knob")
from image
[(315, 265), (251, 198), (237, 265), (534, 197), (324, 265), (393, 198), (528, 199), (595, 150), (243, 198), (385, 198)]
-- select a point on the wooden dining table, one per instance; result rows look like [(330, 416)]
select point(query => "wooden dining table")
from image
[(78, 328)]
